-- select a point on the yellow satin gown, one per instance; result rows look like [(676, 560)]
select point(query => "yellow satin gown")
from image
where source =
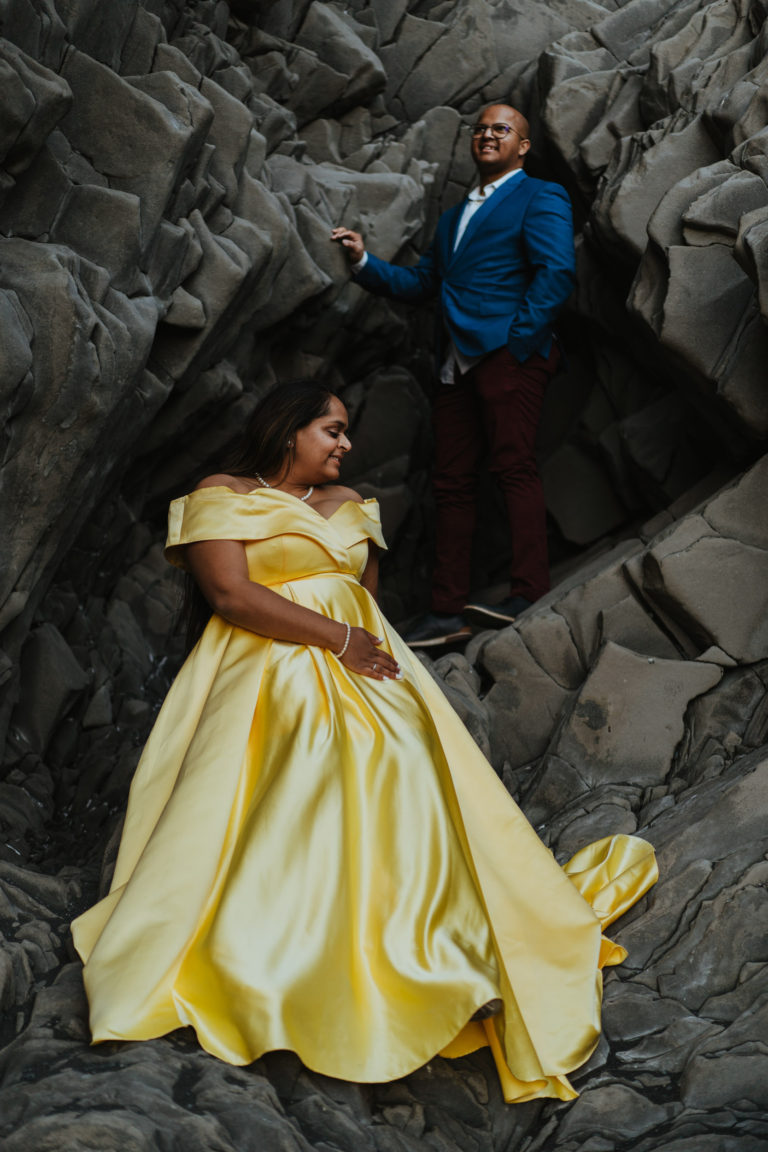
[(317, 861)]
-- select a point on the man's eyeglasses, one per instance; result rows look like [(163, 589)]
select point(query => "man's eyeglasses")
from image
[(498, 131)]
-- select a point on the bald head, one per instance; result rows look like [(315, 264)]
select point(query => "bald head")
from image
[(499, 142), (514, 117)]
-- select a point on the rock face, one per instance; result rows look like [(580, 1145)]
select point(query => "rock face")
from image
[(169, 175)]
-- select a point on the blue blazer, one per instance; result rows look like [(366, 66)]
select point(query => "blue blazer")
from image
[(508, 278)]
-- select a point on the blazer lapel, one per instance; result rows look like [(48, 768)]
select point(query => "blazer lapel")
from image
[(447, 226), (509, 188)]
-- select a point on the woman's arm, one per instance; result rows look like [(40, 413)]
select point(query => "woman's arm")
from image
[(370, 576), (221, 571)]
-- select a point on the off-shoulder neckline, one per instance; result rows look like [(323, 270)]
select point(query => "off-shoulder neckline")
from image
[(265, 491)]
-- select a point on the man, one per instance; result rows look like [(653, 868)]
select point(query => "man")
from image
[(502, 263)]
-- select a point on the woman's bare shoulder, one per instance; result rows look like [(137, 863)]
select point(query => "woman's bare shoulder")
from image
[(224, 480), (341, 494)]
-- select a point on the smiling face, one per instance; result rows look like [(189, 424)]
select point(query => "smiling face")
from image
[(492, 157), (320, 447)]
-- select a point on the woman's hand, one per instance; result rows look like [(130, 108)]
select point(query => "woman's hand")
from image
[(364, 656)]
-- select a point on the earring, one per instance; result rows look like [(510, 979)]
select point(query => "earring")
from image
[(290, 443)]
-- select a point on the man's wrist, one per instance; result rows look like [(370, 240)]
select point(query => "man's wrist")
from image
[(359, 264)]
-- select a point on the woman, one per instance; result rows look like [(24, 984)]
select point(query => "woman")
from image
[(315, 856)]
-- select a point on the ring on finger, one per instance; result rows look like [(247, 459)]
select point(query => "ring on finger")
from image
[(375, 667)]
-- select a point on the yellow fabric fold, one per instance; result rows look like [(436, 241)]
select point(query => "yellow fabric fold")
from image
[(219, 513), (612, 874), (316, 861)]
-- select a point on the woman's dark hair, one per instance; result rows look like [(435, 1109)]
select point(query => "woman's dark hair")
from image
[(265, 447)]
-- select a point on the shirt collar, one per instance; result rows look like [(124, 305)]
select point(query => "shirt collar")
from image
[(482, 195)]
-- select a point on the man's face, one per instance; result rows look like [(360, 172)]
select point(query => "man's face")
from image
[(492, 157)]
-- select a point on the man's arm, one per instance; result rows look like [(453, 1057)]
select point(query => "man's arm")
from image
[(384, 279), (548, 240)]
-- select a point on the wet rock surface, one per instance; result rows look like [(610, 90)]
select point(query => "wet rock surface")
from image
[(169, 175)]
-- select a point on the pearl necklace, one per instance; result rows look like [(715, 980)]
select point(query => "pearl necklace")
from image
[(264, 484)]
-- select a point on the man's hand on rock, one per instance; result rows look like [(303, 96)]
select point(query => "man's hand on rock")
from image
[(352, 243)]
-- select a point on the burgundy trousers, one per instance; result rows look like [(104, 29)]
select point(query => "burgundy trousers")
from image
[(492, 412)]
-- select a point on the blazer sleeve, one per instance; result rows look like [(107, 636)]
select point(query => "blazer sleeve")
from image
[(547, 236), (419, 282)]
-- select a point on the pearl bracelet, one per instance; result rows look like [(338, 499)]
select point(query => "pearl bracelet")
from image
[(345, 645)]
